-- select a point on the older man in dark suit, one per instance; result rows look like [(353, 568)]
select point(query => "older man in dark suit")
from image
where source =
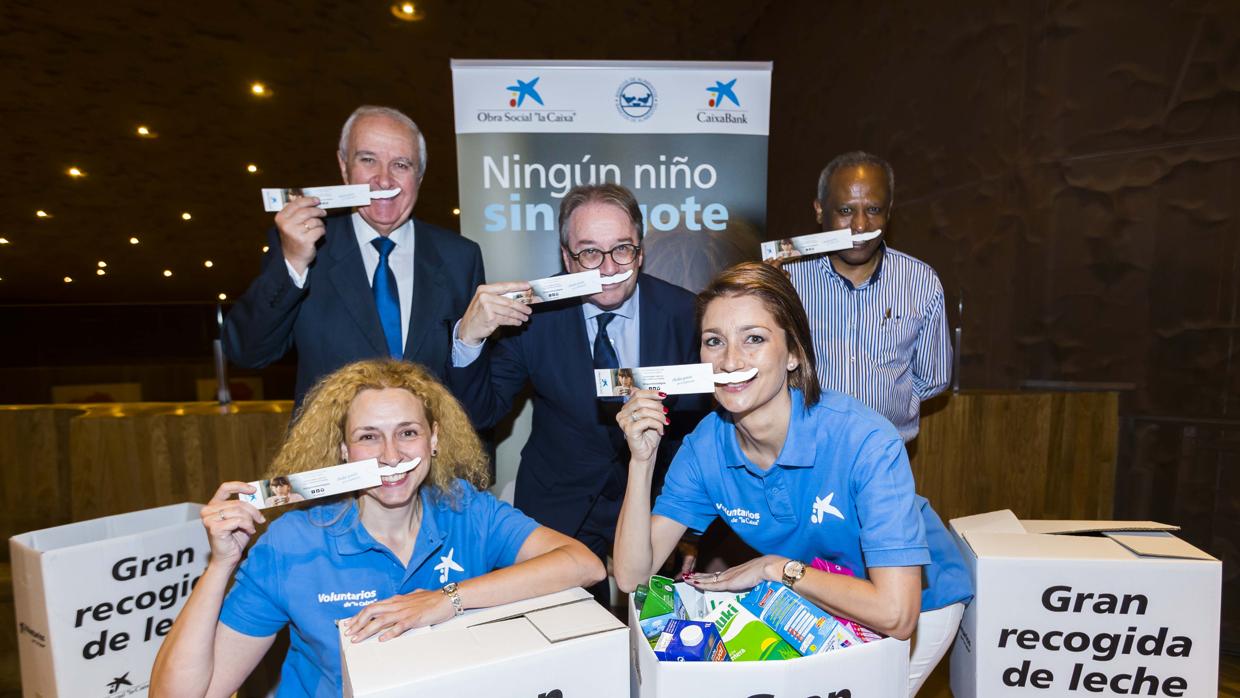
[(347, 287), (575, 464)]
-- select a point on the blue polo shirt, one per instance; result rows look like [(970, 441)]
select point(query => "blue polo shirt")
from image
[(317, 565), (841, 489)]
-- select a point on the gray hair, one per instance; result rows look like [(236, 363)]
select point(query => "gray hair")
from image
[(389, 112), (606, 193), (853, 159)]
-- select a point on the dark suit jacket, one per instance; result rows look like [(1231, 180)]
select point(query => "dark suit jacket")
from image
[(333, 320), (576, 450)]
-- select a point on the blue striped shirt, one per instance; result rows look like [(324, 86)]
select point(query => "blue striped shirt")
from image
[(884, 342)]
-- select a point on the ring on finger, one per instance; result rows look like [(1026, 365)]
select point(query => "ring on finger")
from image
[(716, 576), (633, 417), (221, 514)]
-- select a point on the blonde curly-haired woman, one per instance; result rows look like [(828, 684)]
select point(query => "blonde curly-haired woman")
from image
[(420, 548)]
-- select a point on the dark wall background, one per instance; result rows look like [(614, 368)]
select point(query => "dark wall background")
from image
[(1072, 168)]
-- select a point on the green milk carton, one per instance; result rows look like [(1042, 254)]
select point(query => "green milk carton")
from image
[(662, 604), (746, 638)]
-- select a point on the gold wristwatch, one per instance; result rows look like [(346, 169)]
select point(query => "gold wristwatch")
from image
[(450, 591), (793, 571)]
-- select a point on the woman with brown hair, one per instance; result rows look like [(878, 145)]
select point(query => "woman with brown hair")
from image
[(426, 544), (798, 473)]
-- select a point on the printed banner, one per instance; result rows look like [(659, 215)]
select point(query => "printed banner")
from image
[(690, 140), (338, 196), (312, 484), (557, 288), (674, 380)]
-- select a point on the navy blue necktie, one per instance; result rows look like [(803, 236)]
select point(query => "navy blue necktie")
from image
[(387, 300), (604, 353)]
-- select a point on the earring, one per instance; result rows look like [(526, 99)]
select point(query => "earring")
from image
[(434, 453)]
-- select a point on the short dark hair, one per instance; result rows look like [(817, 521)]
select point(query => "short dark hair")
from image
[(606, 193), (853, 159), (769, 285), (280, 481)]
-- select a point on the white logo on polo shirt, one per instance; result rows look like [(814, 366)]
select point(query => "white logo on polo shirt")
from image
[(349, 599), (822, 507), (739, 515), (446, 564)]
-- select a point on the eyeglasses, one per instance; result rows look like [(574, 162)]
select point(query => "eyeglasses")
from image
[(621, 254)]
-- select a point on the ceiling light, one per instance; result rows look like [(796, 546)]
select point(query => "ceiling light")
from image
[(76, 172), (68, 279), (251, 168), (406, 11), (102, 264), (42, 214), (100, 272), (223, 296), (456, 211), (133, 241), (264, 249), (4, 241), (208, 264), (167, 272), (185, 216), (258, 89)]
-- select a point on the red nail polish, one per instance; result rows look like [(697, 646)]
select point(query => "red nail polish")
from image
[(666, 420), (662, 394), (664, 410)]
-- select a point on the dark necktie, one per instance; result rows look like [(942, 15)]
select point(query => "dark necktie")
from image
[(604, 353), (387, 300)]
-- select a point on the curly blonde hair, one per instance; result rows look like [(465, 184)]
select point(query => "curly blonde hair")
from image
[(319, 426)]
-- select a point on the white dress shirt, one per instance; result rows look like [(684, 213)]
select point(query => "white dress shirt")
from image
[(400, 260)]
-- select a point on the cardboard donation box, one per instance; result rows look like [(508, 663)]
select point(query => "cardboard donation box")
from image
[(1085, 608), (95, 599), (872, 670), (557, 646)]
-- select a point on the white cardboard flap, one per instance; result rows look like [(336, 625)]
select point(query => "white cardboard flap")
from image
[(1037, 547), (108, 527), (515, 609), (1003, 521), (1158, 544), (569, 621), (1069, 527)]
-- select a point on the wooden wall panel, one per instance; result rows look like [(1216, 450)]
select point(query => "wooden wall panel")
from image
[(137, 456), (1042, 455), (34, 469)]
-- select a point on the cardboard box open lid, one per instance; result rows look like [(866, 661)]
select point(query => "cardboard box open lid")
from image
[(999, 534), (474, 639)]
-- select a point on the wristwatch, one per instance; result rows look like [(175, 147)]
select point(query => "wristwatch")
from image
[(793, 571), (450, 591)]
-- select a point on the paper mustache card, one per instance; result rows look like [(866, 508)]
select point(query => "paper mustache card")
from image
[(340, 196), (554, 288), (815, 243), (673, 380), (324, 482)]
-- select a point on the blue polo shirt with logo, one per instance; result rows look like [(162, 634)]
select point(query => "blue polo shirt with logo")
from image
[(317, 565), (841, 489)]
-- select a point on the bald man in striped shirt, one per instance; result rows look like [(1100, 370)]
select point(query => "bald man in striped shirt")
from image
[(876, 314)]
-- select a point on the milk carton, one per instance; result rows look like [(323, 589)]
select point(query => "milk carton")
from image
[(809, 629)]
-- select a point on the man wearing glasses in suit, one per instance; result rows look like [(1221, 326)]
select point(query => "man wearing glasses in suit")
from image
[(575, 464)]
